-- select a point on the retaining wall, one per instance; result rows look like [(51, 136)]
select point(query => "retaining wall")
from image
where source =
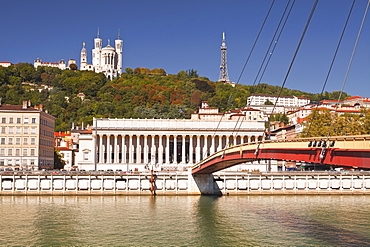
[(181, 183)]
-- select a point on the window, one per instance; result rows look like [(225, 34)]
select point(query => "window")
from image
[(11, 130), (11, 120), (17, 152), (33, 130), (2, 140), (3, 120), (25, 131), (19, 120), (18, 130), (3, 130), (33, 120), (18, 141), (32, 152), (26, 120), (33, 140), (2, 151), (1, 162), (86, 155), (25, 152), (10, 152), (10, 141), (25, 141)]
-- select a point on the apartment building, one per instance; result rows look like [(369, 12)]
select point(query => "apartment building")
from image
[(26, 137)]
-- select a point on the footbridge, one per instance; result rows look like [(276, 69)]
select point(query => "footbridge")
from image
[(353, 151)]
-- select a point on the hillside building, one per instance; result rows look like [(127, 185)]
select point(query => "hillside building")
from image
[(5, 64), (60, 65), (287, 101), (107, 60)]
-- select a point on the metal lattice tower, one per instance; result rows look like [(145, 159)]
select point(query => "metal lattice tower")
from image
[(224, 77)]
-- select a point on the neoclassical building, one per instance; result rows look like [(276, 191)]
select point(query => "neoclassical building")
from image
[(169, 144), (107, 60)]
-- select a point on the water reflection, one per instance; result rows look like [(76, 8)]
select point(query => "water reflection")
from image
[(185, 220)]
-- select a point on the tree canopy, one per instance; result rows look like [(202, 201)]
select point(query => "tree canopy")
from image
[(138, 93), (322, 123)]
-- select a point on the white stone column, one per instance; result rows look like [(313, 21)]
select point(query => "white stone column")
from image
[(228, 141), (219, 143), (115, 149), (153, 150), (197, 150), (109, 150), (160, 150), (146, 149), (123, 148), (205, 147), (191, 149), (168, 149), (235, 137), (138, 149), (175, 149), (101, 149), (130, 150), (183, 151), (212, 145)]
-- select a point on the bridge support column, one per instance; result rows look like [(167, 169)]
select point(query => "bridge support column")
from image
[(202, 184)]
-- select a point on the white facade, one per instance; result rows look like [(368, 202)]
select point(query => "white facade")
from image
[(5, 64), (60, 65), (289, 101), (26, 137), (169, 144), (107, 60)]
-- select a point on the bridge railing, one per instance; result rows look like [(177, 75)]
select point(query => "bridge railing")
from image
[(338, 142)]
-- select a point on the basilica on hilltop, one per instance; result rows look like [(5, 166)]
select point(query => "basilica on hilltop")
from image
[(107, 60)]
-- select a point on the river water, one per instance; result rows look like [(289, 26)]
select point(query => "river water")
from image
[(185, 220)]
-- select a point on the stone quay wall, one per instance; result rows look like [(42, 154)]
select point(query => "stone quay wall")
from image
[(167, 183)]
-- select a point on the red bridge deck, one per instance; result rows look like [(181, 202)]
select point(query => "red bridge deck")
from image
[(343, 151)]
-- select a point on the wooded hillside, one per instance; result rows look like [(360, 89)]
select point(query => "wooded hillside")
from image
[(138, 93)]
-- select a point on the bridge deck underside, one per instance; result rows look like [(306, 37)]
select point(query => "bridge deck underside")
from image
[(333, 156)]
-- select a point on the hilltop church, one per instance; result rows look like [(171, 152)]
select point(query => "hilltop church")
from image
[(107, 60)]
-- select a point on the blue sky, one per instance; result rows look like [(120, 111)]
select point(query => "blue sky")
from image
[(186, 34)]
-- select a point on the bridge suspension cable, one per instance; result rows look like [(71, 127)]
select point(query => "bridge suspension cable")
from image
[(273, 43), (269, 52), (255, 41), (331, 65), (322, 154), (295, 53)]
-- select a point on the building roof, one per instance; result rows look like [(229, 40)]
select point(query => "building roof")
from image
[(281, 96), (249, 109), (19, 108), (60, 134), (63, 149), (354, 97)]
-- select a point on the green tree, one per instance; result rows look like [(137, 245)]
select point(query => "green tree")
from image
[(73, 66), (58, 162), (317, 123)]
